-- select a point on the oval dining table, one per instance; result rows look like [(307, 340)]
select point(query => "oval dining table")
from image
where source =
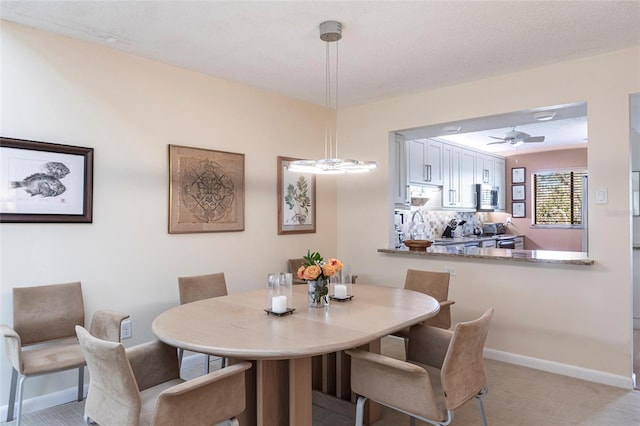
[(280, 390)]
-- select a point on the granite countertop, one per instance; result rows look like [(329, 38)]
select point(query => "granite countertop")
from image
[(529, 256)]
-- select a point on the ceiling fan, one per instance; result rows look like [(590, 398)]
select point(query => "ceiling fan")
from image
[(514, 137)]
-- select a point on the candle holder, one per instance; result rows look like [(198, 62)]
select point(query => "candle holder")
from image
[(279, 294), (340, 286)]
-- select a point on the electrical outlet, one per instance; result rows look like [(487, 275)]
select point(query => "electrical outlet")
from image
[(509, 220), (125, 329), (451, 271)]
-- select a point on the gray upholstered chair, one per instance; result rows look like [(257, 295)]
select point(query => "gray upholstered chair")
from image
[(142, 386), (48, 314), (199, 287), (444, 370), (294, 265), (435, 284)]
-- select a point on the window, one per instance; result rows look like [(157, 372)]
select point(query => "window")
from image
[(557, 198)]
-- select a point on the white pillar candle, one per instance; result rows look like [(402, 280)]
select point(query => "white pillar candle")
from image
[(279, 304), (340, 291)]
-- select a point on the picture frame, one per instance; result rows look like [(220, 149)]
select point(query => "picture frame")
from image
[(518, 209), (42, 182), (296, 200), (518, 193), (206, 190), (518, 175)]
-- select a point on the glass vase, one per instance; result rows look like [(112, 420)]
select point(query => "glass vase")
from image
[(318, 292)]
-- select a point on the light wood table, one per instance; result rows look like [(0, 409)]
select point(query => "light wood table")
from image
[(236, 326)]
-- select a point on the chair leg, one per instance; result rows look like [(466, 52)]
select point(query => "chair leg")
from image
[(412, 421), (80, 383), (223, 362), (207, 366), (360, 410), (180, 353), (12, 394), (20, 393), (483, 417)]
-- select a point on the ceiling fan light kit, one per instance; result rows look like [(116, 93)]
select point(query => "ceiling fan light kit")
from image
[(330, 32), (516, 138)]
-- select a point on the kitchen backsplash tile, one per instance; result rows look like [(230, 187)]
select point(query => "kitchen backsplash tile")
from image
[(436, 221)]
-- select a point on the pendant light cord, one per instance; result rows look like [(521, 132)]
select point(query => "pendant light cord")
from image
[(331, 115)]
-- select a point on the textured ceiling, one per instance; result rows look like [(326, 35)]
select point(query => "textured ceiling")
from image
[(388, 48)]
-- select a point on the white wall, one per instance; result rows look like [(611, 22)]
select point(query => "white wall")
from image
[(575, 315), (129, 109)]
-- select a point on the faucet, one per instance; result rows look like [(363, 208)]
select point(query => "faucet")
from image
[(415, 233), (413, 216)]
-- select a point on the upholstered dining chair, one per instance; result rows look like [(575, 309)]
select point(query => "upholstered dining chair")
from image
[(294, 265), (142, 386), (199, 287), (444, 370), (435, 284), (48, 314)]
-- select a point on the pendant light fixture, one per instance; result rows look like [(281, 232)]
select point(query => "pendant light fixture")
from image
[(331, 32)]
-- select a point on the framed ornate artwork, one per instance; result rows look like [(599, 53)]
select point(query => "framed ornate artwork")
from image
[(206, 190), (45, 182), (517, 192), (296, 200), (518, 209), (518, 175)]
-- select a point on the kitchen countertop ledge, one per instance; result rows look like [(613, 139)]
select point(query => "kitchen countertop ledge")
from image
[(528, 256)]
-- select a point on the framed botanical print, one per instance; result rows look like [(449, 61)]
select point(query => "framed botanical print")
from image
[(296, 200), (206, 190), (518, 209), (44, 182), (518, 175), (517, 192)]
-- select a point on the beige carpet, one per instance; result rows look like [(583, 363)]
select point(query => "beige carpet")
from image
[(518, 396)]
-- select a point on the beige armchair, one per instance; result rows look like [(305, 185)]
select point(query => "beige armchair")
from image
[(445, 369), (48, 314), (199, 287), (142, 386), (436, 285), (294, 265)]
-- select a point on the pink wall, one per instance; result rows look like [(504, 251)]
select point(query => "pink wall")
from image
[(544, 239)]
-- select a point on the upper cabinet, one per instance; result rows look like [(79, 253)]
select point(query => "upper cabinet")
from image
[(401, 197), (425, 162), (453, 167)]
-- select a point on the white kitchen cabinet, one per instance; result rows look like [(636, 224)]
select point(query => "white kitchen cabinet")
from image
[(485, 168), (425, 162), (401, 196), (458, 165), (451, 167), (467, 179)]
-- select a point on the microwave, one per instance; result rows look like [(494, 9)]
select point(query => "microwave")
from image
[(486, 197)]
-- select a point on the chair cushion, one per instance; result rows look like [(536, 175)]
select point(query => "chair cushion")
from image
[(51, 358), (149, 398)]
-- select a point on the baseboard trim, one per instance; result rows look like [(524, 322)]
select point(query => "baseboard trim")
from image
[(71, 394), (562, 369)]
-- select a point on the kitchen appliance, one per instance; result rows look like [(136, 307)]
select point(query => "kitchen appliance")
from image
[(506, 243), (493, 228), (448, 231), (486, 197)]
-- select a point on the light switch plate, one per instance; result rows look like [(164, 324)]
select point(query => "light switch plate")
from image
[(601, 196)]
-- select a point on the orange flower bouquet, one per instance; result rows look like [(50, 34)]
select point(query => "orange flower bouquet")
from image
[(317, 272)]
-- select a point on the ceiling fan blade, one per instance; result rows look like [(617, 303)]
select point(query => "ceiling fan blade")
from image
[(500, 139), (496, 142), (534, 139)]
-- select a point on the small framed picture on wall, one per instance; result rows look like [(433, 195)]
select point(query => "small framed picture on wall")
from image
[(518, 175), (518, 209), (517, 193)]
